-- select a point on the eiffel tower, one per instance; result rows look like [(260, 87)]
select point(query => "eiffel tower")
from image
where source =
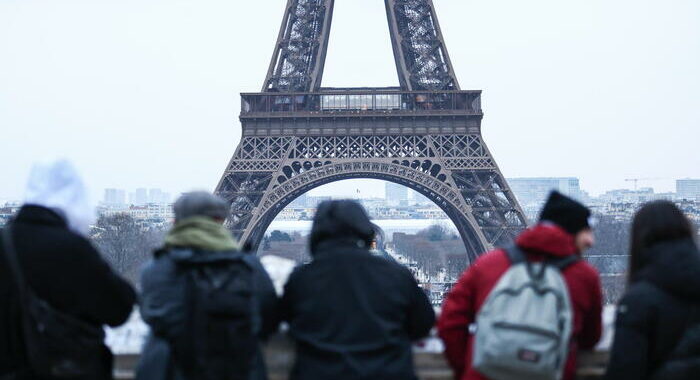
[(425, 134)]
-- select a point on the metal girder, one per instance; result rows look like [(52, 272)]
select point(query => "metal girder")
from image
[(300, 51), (266, 173), (421, 57), (493, 204), (297, 177), (422, 61)]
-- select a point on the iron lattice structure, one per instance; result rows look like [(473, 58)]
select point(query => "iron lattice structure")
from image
[(425, 135)]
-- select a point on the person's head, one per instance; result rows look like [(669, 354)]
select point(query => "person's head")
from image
[(341, 222), (655, 222), (56, 185), (200, 203), (571, 216)]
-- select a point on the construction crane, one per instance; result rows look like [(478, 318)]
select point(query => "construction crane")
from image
[(636, 180)]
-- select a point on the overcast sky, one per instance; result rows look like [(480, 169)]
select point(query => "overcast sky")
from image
[(144, 93)]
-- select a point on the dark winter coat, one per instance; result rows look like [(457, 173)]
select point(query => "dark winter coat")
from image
[(65, 270), (163, 307), (655, 312), (353, 315), (464, 301)]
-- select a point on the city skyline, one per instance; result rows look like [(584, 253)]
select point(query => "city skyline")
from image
[(357, 188)]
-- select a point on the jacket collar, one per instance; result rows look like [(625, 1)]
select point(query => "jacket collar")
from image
[(32, 214), (548, 239), (195, 256), (201, 233)]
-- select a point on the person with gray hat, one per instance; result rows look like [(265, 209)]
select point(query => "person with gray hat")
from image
[(208, 304)]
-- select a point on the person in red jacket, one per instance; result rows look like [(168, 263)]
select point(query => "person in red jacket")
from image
[(563, 230)]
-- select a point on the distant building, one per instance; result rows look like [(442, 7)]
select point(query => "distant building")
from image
[(431, 213), (420, 199), (155, 195), (688, 189), (313, 202), (114, 197), (395, 193), (144, 196), (7, 212), (392, 213), (300, 202), (645, 194), (139, 197), (290, 214), (160, 211), (534, 191)]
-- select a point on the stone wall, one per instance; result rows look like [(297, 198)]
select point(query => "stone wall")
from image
[(429, 365)]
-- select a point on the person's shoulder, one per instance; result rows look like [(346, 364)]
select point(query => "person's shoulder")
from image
[(490, 260), (249, 258), (160, 260), (386, 265), (638, 303), (642, 293), (583, 279), (254, 262), (582, 265), (486, 267), (74, 244), (300, 271)]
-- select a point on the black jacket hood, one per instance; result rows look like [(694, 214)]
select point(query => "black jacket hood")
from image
[(675, 267), (342, 222)]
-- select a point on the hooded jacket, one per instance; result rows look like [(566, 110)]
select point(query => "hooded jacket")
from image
[(660, 305), (464, 301), (164, 289), (66, 271), (353, 315)]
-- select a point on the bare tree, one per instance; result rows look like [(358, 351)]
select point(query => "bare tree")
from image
[(125, 244), (610, 255), (436, 232)]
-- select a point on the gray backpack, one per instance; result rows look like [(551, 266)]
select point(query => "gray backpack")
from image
[(524, 326)]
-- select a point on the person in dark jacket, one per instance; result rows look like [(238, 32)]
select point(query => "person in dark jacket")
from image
[(198, 237), (563, 230), (353, 315), (59, 264), (662, 302)]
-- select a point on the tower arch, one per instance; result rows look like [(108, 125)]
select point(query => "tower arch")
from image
[(420, 181)]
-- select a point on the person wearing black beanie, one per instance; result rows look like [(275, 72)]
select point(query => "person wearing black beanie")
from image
[(571, 216), (563, 232)]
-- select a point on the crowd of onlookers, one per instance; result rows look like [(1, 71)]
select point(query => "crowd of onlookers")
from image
[(518, 312)]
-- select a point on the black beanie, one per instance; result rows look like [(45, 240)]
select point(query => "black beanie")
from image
[(566, 213)]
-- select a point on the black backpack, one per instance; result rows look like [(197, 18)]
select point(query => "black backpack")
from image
[(56, 344), (219, 341)]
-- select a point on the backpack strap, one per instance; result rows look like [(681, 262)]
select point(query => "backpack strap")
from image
[(563, 262), (515, 254)]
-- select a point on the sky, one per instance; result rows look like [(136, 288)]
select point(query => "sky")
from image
[(145, 93)]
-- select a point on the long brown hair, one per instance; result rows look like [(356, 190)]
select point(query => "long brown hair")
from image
[(655, 222)]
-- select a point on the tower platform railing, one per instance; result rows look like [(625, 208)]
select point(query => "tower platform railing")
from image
[(361, 101)]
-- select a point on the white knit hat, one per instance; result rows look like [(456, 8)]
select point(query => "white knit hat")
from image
[(58, 186)]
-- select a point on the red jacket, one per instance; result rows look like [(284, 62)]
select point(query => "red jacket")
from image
[(469, 293)]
